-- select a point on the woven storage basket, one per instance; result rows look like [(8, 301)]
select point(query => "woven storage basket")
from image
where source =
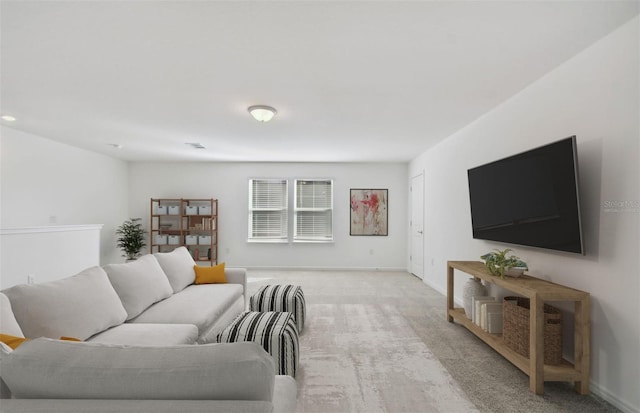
[(515, 330)]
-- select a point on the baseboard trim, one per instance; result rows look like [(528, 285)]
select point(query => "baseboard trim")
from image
[(611, 398), (435, 287), (442, 291)]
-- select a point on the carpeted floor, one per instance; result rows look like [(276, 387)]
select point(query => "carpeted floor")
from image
[(380, 342), (366, 358)]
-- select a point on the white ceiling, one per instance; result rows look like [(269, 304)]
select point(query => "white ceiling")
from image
[(352, 81)]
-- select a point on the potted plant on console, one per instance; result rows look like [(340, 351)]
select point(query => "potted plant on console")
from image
[(131, 238), (498, 263)]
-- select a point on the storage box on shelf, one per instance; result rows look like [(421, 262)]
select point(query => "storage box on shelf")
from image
[(160, 239), (517, 318), (192, 223), (538, 292)]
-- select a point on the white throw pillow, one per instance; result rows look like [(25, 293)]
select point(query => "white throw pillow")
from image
[(8, 323), (178, 266), (78, 306), (4, 349), (53, 369), (139, 283)]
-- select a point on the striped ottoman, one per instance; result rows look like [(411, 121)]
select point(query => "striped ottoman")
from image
[(289, 298), (274, 331)]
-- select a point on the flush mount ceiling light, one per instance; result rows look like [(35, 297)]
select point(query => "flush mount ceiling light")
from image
[(8, 118), (262, 113)]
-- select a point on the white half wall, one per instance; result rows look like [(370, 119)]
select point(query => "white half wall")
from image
[(229, 182), (62, 251), (44, 183), (594, 95)]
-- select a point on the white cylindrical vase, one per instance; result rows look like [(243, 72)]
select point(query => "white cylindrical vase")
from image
[(472, 288)]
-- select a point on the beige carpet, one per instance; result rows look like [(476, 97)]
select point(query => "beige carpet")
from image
[(380, 342), (366, 358)]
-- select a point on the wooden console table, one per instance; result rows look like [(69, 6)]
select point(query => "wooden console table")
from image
[(538, 291)]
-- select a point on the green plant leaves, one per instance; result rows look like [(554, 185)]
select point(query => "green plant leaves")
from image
[(131, 238), (497, 261)]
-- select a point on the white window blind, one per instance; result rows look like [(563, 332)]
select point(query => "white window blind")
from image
[(268, 210), (313, 214)]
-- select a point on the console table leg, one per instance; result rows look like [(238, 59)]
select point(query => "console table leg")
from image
[(582, 338), (449, 292), (536, 345)]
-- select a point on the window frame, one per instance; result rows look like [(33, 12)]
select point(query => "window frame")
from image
[(283, 212), (299, 211)]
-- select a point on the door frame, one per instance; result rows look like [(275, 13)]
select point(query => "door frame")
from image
[(411, 241)]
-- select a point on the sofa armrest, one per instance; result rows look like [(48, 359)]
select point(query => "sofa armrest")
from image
[(237, 276), (284, 395), (138, 406)]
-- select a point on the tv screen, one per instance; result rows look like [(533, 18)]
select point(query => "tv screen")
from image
[(529, 199)]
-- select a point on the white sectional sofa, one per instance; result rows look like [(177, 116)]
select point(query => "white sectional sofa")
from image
[(146, 330), (150, 301)]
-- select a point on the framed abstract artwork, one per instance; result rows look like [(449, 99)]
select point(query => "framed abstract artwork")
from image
[(369, 212)]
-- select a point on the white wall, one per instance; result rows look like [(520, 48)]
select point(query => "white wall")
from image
[(228, 182), (44, 182), (594, 95)]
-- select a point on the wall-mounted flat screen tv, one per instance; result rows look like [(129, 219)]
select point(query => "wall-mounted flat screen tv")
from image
[(529, 199)]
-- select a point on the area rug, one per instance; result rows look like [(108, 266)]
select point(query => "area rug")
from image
[(367, 358)]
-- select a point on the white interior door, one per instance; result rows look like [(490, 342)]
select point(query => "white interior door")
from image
[(417, 226)]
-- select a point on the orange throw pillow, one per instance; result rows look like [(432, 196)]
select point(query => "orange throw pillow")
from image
[(65, 338), (12, 341), (210, 275)]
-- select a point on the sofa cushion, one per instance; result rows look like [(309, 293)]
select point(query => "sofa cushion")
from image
[(139, 283), (139, 334), (178, 266), (78, 306), (8, 323), (201, 305), (45, 368)]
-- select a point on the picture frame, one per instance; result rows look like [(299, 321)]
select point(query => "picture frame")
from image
[(369, 212)]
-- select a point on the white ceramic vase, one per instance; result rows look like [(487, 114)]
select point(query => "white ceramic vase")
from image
[(472, 288)]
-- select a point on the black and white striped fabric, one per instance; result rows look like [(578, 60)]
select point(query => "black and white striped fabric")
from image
[(289, 298), (275, 331)]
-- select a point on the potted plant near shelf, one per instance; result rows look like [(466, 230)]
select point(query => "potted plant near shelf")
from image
[(131, 238), (498, 263)]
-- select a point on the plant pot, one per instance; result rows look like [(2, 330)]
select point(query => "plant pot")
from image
[(472, 288), (515, 271)]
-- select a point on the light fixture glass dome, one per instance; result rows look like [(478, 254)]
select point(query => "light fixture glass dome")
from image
[(262, 113)]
